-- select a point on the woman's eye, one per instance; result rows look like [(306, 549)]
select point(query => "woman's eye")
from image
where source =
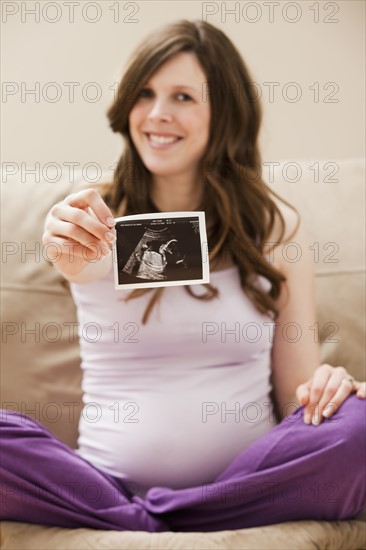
[(145, 92), (148, 93), (185, 97)]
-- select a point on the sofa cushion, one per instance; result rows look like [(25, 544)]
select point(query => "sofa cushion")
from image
[(294, 535)]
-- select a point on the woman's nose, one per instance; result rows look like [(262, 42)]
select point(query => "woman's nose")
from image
[(160, 111)]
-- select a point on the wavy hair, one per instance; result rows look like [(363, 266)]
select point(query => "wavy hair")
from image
[(238, 205)]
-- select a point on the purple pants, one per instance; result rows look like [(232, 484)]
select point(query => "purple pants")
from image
[(294, 472)]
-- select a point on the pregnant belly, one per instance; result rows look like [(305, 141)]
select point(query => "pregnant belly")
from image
[(170, 440)]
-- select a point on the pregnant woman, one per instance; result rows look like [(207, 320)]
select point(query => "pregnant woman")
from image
[(209, 418)]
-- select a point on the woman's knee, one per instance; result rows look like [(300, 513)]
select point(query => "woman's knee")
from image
[(350, 422), (350, 450), (12, 422)]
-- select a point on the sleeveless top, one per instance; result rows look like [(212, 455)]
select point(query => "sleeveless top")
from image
[(171, 403)]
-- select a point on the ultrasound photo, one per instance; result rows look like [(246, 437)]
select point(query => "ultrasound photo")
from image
[(162, 249)]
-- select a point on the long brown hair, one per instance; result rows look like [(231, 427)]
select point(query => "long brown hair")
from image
[(237, 202)]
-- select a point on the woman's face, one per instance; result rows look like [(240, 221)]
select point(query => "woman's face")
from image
[(169, 123)]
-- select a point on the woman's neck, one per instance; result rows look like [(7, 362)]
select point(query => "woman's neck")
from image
[(176, 194)]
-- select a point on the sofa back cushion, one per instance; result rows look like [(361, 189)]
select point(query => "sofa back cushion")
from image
[(330, 197), (40, 360)]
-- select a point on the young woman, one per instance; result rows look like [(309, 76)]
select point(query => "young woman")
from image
[(178, 431)]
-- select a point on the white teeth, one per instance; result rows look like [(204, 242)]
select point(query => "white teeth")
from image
[(162, 139)]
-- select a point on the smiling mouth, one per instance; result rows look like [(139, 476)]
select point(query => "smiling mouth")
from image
[(162, 139)]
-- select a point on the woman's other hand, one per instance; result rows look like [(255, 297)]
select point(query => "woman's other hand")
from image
[(326, 390)]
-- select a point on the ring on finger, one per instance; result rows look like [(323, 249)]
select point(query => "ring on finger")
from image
[(349, 378)]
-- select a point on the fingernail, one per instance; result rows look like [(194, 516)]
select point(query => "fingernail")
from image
[(110, 237), (307, 418), (105, 249), (316, 420), (330, 409), (111, 221)]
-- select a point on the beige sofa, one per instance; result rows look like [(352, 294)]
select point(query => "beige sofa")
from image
[(40, 354)]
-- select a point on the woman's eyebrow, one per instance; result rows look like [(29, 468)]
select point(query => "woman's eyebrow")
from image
[(176, 86), (184, 86)]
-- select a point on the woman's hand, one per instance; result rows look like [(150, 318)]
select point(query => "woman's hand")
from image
[(323, 394), (78, 230)]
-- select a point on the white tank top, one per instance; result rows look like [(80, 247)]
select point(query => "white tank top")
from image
[(173, 402)]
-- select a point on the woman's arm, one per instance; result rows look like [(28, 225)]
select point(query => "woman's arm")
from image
[(295, 352), (298, 377)]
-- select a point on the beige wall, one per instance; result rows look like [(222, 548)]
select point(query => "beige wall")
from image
[(304, 52)]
